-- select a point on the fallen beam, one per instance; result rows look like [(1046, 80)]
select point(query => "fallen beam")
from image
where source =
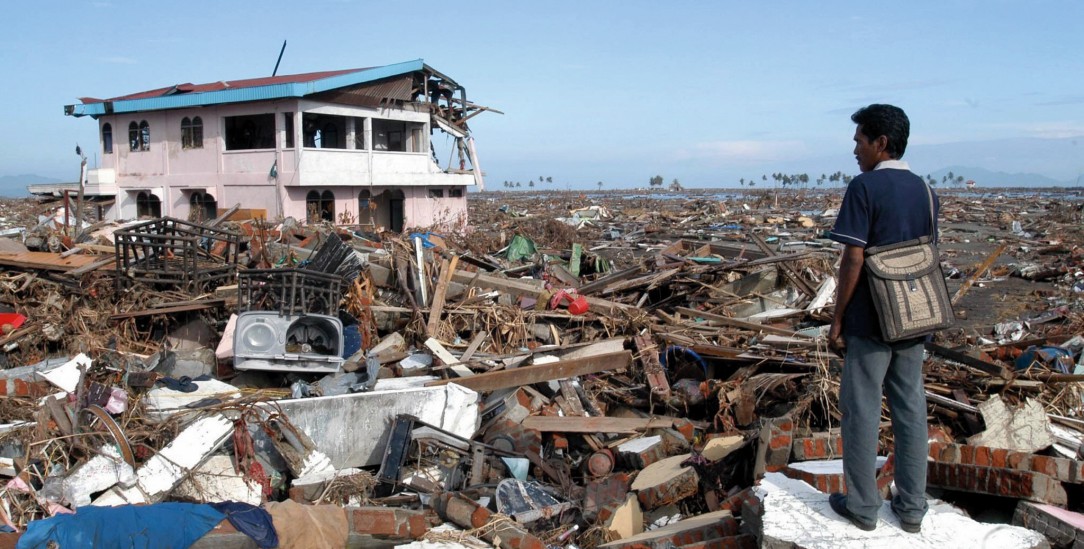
[(567, 424), (527, 375)]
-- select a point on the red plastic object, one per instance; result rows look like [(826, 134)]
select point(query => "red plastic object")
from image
[(15, 319), (578, 305)]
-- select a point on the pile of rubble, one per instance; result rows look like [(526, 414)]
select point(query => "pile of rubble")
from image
[(639, 371)]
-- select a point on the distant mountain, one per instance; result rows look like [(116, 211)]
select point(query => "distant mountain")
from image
[(990, 178), (15, 185)]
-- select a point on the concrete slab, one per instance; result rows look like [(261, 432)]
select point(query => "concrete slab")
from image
[(797, 515), (352, 430), (215, 480), (1026, 429)]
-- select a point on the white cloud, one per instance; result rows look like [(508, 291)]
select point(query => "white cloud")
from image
[(743, 151), (118, 60)]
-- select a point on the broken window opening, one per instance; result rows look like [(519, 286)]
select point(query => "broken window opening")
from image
[(396, 136), (148, 205), (455, 193), (324, 131), (436, 193), (288, 119), (255, 131), (202, 207), (366, 207), (359, 134), (144, 136), (320, 206), (191, 133), (107, 138)]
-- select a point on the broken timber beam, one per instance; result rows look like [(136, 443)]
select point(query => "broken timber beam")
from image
[(582, 425), (788, 269), (968, 360), (532, 289), (733, 322), (527, 375), (983, 267)]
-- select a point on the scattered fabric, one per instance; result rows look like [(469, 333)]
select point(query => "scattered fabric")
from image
[(251, 521), (309, 526), (158, 526)]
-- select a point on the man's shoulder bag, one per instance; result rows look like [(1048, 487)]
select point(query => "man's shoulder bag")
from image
[(908, 287)]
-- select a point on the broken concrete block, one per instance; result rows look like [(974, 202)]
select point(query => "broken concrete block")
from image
[(602, 493), (1011, 483), (162, 472), (709, 527), (641, 452), (665, 481), (1062, 527), (310, 488), (98, 473), (817, 447), (627, 520), (216, 480), (718, 448), (796, 515), (773, 449), (826, 476), (187, 363), (1026, 429)]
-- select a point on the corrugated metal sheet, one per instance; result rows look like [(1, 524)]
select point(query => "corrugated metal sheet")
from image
[(372, 95), (260, 92)]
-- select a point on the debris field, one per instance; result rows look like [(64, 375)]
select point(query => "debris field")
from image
[(603, 370)]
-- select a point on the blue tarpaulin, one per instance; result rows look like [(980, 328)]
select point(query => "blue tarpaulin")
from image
[(159, 526)]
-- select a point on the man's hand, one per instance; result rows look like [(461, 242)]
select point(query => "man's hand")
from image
[(835, 339)]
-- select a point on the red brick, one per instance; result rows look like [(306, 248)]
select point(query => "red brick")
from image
[(388, 523), (1044, 465), (3, 387), (981, 456), (1018, 460), (744, 541), (999, 457), (1002, 482)]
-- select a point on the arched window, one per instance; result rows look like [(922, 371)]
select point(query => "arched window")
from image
[(144, 136), (148, 205), (312, 207), (191, 133), (327, 206), (107, 138), (133, 136), (366, 205), (202, 207)]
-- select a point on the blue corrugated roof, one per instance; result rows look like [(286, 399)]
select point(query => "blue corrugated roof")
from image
[(254, 93)]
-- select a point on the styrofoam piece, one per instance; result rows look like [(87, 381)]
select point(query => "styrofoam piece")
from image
[(796, 513), (353, 429), (216, 480), (157, 477), (98, 473), (163, 402), (66, 376)]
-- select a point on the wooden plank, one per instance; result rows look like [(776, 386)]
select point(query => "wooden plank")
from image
[(103, 262), (168, 310), (439, 294), (564, 276), (968, 360), (606, 281), (735, 323), (475, 343), (527, 375), (983, 267), (46, 261), (447, 358), (593, 425)]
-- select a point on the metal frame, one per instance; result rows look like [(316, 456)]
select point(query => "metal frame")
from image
[(171, 252), (289, 291)]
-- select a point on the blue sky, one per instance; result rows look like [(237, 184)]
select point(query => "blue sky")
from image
[(705, 92)]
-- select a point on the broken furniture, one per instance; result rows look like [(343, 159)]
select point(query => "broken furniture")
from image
[(169, 253)]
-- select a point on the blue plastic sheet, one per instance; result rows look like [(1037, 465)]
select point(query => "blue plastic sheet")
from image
[(159, 526), (252, 521)]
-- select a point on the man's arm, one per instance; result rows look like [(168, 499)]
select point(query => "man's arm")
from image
[(850, 268)]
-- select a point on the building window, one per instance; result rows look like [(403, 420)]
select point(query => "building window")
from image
[(359, 134), (107, 138), (133, 136), (192, 133), (436, 193), (148, 205), (366, 206), (324, 131), (320, 206), (396, 136), (202, 207), (416, 139), (144, 136), (288, 125), (255, 131), (455, 193)]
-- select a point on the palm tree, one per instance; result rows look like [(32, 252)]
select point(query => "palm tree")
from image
[(530, 183), (549, 179), (741, 182), (600, 185)]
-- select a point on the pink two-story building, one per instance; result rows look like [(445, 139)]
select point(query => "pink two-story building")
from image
[(347, 146)]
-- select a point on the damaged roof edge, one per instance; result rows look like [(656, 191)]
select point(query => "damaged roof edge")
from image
[(257, 93)]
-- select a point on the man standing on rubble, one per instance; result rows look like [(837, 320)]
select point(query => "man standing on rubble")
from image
[(886, 204)]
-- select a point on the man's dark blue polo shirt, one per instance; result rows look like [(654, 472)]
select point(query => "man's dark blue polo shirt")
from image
[(883, 206)]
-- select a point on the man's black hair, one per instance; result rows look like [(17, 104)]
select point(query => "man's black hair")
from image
[(887, 120)]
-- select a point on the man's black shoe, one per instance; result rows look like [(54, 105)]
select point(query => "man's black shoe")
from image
[(839, 505), (907, 526)]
